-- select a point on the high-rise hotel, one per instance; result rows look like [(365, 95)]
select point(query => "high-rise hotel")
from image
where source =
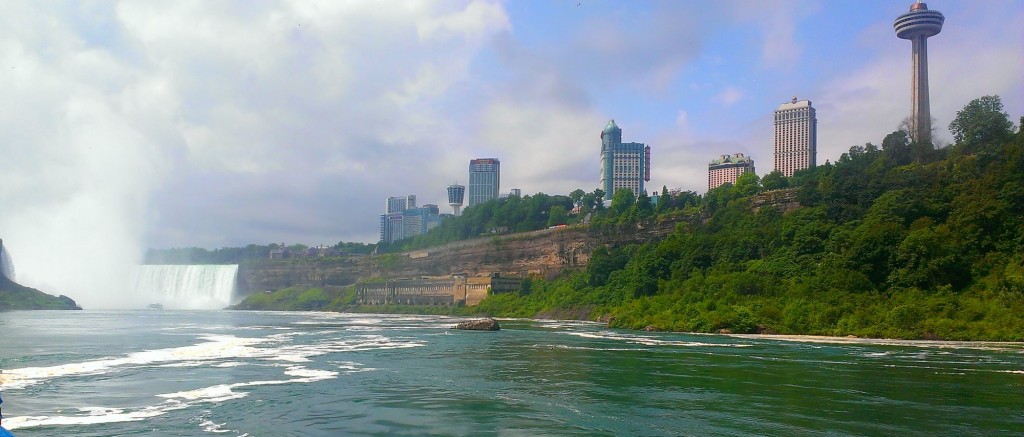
[(623, 165), (796, 136), (402, 219), (727, 169), (484, 180)]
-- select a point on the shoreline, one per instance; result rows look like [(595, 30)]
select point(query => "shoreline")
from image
[(953, 344)]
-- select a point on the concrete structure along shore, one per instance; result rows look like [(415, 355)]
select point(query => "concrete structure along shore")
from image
[(452, 290)]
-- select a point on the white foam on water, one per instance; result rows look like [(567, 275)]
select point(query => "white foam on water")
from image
[(213, 427), (212, 351), (229, 364), (587, 348), (93, 416), (350, 367), (216, 348), (648, 341), (174, 401), (225, 392), (215, 393), (183, 364)]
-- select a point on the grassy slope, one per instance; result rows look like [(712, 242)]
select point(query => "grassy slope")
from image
[(14, 296)]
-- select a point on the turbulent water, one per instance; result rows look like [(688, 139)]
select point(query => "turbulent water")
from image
[(186, 286), (195, 373)]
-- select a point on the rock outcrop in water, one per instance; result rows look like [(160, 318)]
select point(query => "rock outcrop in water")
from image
[(487, 324)]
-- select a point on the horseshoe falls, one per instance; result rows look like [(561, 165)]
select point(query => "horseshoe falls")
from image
[(192, 287)]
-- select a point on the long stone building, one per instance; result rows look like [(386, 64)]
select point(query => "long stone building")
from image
[(452, 290)]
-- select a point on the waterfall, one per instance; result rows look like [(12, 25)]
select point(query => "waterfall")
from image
[(194, 287), (6, 265)]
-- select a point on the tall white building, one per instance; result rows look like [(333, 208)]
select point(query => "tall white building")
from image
[(796, 136)]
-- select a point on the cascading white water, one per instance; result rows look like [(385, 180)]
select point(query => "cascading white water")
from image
[(6, 265), (193, 287)]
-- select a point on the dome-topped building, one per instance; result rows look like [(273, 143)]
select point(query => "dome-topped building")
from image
[(623, 165)]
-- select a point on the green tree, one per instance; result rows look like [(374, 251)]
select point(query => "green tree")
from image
[(577, 196), (774, 181), (896, 148), (664, 200), (622, 200), (557, 216), (747, 184), (644, 207), (981, 123)]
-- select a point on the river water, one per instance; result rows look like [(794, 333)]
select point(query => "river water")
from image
[(197, 373)]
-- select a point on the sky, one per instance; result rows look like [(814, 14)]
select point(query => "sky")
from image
[(154, 124)]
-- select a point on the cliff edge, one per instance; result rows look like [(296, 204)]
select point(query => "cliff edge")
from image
[(14, 296)]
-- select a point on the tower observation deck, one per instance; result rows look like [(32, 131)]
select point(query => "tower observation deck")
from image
[(918, 25), (456, 194)]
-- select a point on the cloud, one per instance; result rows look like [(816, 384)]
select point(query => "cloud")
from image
[(171, 124), (778, 24), (682, 118), (728, 97), (547, 148)]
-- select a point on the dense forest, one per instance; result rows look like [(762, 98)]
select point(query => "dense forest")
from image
[(901, 240)]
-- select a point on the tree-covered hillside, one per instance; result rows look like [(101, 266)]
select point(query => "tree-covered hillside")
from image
[(900, 240), (14, 296)]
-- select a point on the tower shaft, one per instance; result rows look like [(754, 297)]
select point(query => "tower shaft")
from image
[(918, 25), (920, 114)]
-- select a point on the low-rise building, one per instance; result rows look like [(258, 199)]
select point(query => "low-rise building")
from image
[(727, 169), (457, 289)]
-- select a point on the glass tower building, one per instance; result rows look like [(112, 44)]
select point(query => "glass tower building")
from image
[(623, 165), (484, 180)]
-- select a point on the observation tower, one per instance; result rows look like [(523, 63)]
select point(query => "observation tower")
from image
[(456, 193), (917, 25)]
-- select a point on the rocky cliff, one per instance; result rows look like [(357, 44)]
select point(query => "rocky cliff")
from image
[(544, 253)]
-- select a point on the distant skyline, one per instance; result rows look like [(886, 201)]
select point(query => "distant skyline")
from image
[(170, 124)]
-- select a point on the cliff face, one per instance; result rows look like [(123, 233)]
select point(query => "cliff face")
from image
[(784, 199), (544, 253)]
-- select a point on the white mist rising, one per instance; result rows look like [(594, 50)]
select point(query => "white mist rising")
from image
[(74, 199)]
